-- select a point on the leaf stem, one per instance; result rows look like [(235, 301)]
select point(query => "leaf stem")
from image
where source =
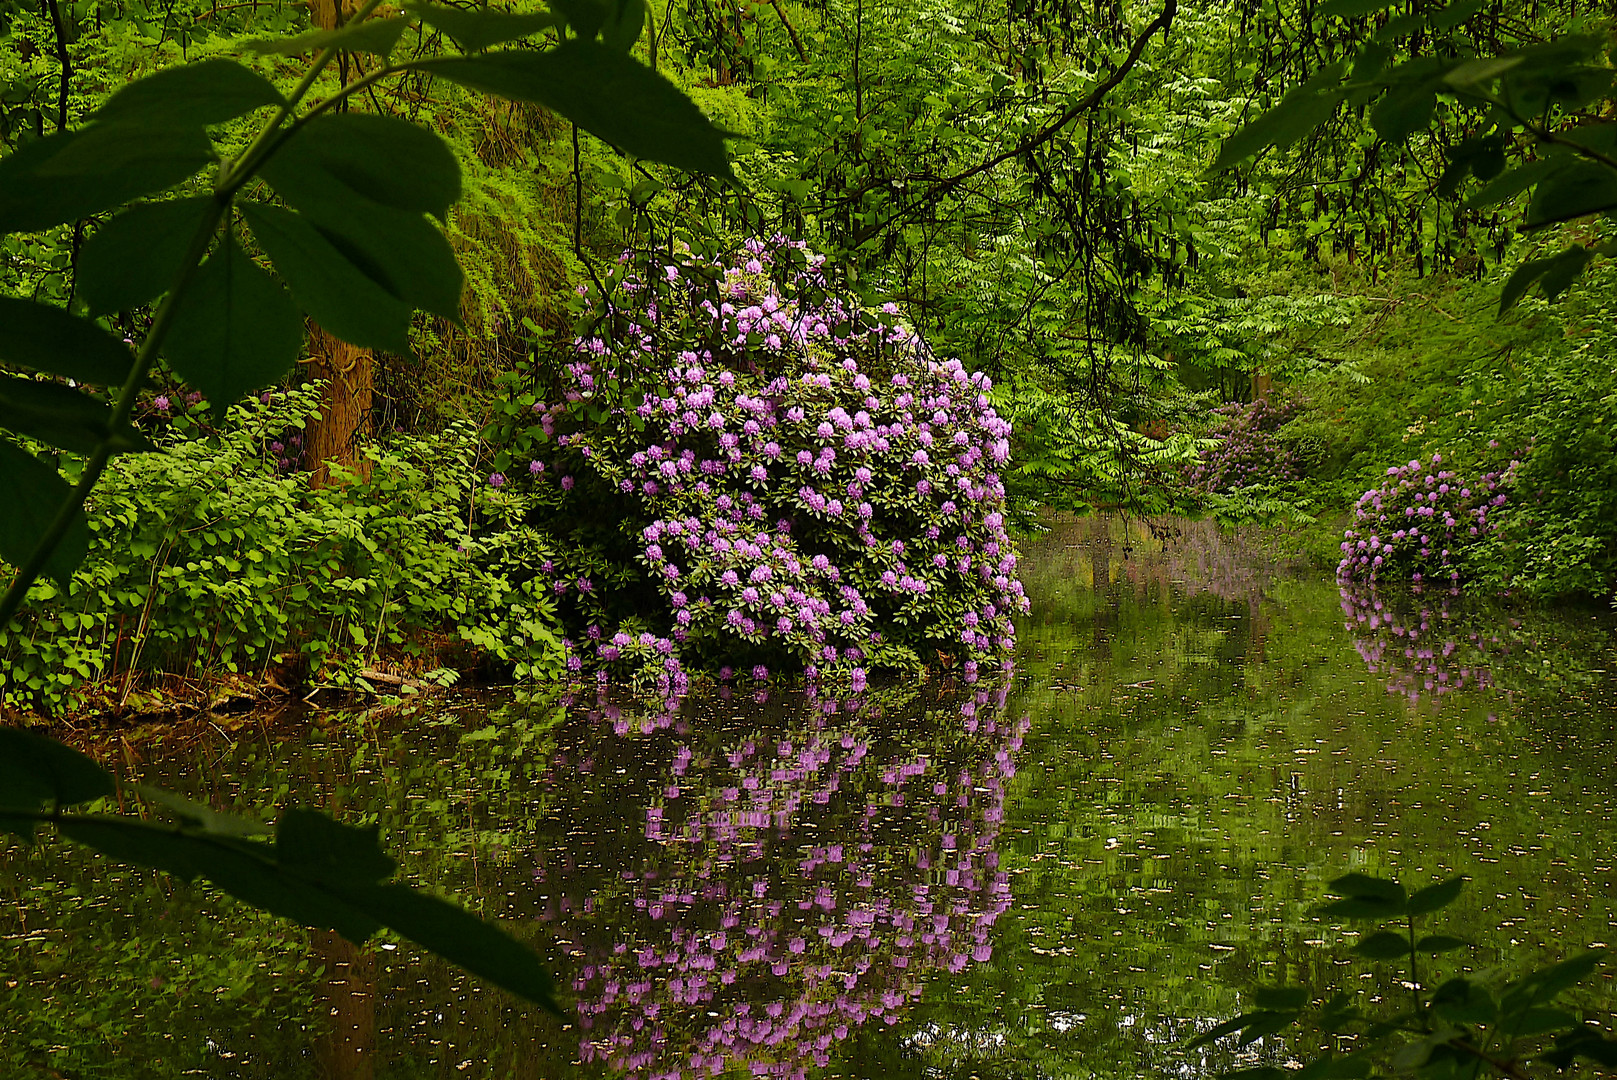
[(1414, 976), (269, 137)]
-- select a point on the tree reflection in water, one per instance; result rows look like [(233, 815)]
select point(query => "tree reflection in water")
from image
[(787, 881)]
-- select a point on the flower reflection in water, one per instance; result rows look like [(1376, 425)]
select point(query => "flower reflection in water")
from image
[(790, 880), (1421, 642)]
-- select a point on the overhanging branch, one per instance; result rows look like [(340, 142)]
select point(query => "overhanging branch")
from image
[(1090, 101)]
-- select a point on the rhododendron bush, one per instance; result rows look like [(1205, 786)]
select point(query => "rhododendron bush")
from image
[(750, 471), (1422, 522)]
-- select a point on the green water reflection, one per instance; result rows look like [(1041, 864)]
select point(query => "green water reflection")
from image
[(1065, 875)]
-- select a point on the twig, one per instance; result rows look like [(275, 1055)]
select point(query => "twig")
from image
[(797, 43), (1090, 101), (66, 64)]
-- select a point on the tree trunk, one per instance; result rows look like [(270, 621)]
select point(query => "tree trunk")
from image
[(336, 437), (338, 434)]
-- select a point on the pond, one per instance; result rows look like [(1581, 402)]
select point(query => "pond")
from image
[(1067, 871)]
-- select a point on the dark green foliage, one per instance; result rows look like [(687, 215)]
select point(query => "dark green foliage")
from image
[(195, 95), (316, 871), (585, 82), (49, 340), (1467, 1025), (235, 330), (137, 255), (34, 494)]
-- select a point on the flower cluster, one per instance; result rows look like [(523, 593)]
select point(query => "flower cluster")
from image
[(789, 882), (1420, 523), (1249, 450), (753, 471)]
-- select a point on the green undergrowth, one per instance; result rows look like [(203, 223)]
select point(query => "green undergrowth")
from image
[(208, 562), (1426, 366)]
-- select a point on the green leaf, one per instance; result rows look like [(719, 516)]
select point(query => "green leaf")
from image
[(103, 151), (322, 849), (61, 416), (1403, 110), (37, 772), (236, 329), (1383, 945), (1511, 183), (194, 95), (1372, 910), (32, 493), (1546, 983), (1538, 1021), (1461, 1001), (137, 255), (1579, 188), (1299, 112), (461, 938), (336, 294), (1257, 1072), (401, 251), (243, 868), (1218, 1031), (386, 160), (31, 199), (375, 36), (1364, 887), (1266, 1023), (481, 27), (1456, 13), (1400, 25), (1351, 9), (1477, 73), (606, 93), (586, 18), (1556, 273), (199, 814), (1435, 897), (624, 22), (46, 338), (1584, 1041), (1439, 943), (1272, 998)]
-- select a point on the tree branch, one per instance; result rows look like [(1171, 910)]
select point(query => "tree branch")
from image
[(1090, 101)]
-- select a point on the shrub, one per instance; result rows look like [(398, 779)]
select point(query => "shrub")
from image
[(213, 559), (1422, 522), (1249, 449), (746, 470)]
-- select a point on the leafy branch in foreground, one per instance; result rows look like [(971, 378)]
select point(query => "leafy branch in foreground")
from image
[(1467, 1026), (313, 870), (350, 234), (1548, 105)]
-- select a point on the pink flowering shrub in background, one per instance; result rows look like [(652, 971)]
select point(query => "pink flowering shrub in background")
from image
[(1250, 449), (793, 878), (749, 472), (1422, 522)]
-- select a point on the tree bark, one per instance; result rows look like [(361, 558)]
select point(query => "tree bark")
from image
[(337, 436)]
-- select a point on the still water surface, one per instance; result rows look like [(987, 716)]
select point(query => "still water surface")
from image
[(1065, 872)]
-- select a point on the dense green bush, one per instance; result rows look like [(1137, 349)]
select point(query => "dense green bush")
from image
[(214, 558)]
